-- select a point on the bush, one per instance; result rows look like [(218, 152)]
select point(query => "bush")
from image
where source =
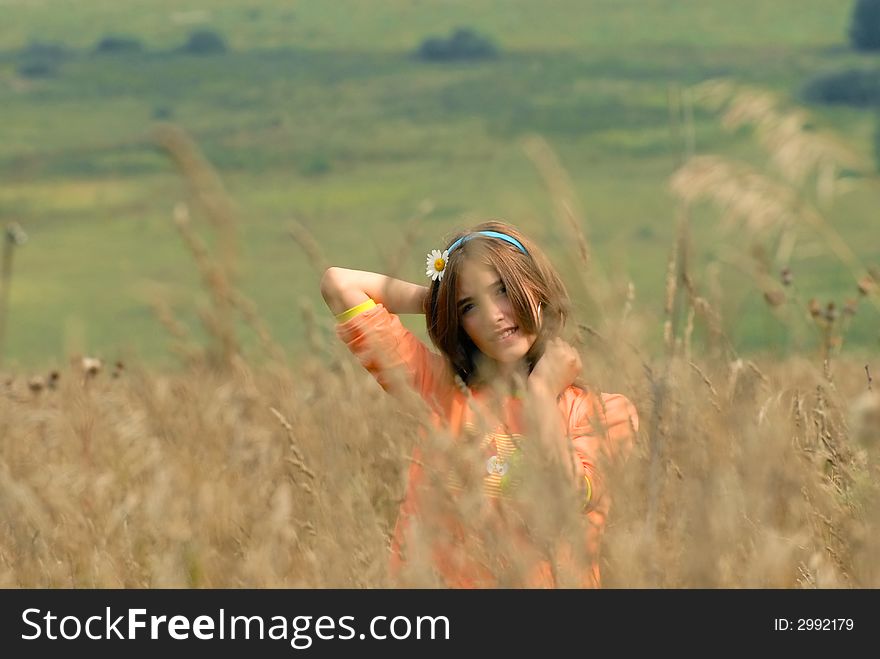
[(462, 44), (864, 30), (162, 112), (204, 42), (37, 69), (41, 60), (112, 45), (315, 165), (853, 87)]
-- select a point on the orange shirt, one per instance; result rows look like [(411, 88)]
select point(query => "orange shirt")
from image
[(600, 426)]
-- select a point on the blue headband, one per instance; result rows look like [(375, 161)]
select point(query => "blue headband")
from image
[(491, 234)]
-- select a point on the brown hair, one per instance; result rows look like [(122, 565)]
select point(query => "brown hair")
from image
[(533, 286)]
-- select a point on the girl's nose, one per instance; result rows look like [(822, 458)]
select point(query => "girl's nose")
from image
[(494, 313)]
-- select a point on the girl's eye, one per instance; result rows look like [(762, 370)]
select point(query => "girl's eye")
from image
[(502, 290)]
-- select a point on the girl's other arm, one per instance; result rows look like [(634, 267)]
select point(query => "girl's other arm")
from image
[(555, 371), (551, 433), (343, 289)]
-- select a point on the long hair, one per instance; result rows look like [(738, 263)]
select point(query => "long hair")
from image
[(537, 294)]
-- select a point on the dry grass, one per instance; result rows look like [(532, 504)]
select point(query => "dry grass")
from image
[(777, 205), (742, 476), (237, 472)]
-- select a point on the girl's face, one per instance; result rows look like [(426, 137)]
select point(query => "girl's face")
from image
[(487, 315)]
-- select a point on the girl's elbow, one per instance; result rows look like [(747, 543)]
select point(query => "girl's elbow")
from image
[(330, 285), (340, 289)]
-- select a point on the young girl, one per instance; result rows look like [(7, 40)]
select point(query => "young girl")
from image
[(494, 308)]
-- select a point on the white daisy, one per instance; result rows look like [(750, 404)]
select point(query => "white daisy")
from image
[(436, 264)]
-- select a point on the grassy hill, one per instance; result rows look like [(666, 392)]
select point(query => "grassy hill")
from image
[(319, 112)]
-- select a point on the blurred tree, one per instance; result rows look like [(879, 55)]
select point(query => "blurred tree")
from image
[(855, 87), (163, 112), (204, 42), (315, 165), (39, 60), (864, 31), (113, 44), (462, 44)]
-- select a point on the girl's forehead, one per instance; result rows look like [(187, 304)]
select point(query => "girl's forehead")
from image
[(474, 276)]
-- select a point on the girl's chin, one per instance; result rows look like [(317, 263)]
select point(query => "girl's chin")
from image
[(512, 355), (519, 349)]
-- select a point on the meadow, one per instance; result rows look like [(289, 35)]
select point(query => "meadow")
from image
[(322, 115), (180, 211)]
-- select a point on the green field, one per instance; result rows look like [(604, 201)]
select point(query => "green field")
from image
[(320, 113)]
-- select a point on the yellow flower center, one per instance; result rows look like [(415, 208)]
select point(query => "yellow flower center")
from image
[(439, 264)]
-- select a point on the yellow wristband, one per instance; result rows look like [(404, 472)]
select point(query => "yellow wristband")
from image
[(589, 491), (348, 314)]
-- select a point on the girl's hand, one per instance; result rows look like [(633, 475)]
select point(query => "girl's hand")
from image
[(556, 369)]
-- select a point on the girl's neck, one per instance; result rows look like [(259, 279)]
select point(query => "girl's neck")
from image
[(504, 379)]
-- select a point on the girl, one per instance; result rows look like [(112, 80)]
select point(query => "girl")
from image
[(494, 308)]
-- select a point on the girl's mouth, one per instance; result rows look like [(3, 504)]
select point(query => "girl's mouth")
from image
[(509, 333)]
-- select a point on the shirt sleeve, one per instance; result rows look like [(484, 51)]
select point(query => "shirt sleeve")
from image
[(601, 431), (396, 358)]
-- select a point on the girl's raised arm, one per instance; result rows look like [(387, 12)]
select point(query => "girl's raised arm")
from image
[(342, 289)]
